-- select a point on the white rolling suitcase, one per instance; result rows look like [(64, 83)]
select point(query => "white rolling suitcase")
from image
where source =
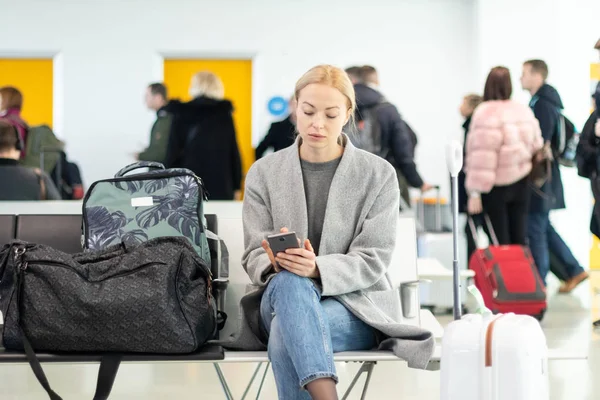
[(485, 356)]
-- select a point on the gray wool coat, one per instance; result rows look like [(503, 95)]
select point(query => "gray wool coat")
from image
[(359, 237)]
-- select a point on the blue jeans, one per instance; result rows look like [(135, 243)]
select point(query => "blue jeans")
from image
[(304, 332), (542, 238)]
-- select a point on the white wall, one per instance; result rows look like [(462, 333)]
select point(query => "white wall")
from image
[(110, 50), (563, 33)]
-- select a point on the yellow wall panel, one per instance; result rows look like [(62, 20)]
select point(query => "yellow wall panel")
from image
[(595, 71), (595, 250), (237, 79), (34, 78), (595, 254)]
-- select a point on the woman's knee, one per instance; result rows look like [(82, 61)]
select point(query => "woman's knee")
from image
[(289, 281)]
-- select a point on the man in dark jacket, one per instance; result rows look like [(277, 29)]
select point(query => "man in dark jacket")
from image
[(397, 139), (156, 100), (281, 134), (17, 182), (547, 107)]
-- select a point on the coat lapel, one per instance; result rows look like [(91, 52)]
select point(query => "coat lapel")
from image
[(295, 198)]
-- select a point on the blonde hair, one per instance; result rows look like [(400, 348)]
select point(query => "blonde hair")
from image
[(473, 100), (332, 76), (206, 83)]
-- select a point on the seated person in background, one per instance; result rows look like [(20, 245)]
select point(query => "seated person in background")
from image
[(11, 103), (281, 134), (156, 100), (18, 182), (333, 294)]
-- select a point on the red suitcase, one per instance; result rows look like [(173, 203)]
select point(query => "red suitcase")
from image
[(508, 278)]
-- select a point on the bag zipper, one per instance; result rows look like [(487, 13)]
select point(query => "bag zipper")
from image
[(202, 196)]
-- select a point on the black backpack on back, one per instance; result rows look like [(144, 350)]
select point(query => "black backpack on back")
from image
[(367, 132)]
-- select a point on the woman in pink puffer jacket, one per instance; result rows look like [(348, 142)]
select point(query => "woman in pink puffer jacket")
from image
[(502, 139)]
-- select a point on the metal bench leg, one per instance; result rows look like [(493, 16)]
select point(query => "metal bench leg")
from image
[(223, 381), (262, 382), (253, 379), (368, 368)]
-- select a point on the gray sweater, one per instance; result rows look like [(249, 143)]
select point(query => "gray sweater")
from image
[(358, 239), (317, 179)]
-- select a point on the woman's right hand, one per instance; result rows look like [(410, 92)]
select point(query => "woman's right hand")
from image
[(265, 245)]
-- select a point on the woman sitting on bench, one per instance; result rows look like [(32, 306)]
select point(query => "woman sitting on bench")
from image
[(332, 293)]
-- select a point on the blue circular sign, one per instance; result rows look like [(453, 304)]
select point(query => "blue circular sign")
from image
[(277, 106)]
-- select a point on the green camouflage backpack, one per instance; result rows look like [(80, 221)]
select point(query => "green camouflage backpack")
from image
[(135, 208)]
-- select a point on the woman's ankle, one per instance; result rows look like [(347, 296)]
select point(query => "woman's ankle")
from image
[(322, 389)]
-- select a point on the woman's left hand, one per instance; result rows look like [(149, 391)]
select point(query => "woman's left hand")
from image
[(474, 205), (300, 261)]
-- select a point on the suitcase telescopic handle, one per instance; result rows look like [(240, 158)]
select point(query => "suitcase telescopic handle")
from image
[(490, 228), (454, 162)]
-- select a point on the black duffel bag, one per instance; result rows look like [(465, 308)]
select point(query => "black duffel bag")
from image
[(151, 298)]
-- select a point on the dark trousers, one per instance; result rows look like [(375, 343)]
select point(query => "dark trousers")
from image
[(543, 238), (508, 207)]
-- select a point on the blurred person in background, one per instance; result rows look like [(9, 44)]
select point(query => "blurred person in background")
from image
[(467, 107), (156, 100), (503, 137), (17, 182), (354, 74), (547, 107), (203, 138), (281, 134), (11, 103), (397, 139), (588, 155)]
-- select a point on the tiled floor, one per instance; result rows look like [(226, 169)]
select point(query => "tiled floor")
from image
[(567, 326)]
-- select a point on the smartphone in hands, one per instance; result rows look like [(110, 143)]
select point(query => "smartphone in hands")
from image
[(280, 242)]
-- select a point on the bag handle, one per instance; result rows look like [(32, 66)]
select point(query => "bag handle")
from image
[(489, 225), (109, 365), (138, 165)]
